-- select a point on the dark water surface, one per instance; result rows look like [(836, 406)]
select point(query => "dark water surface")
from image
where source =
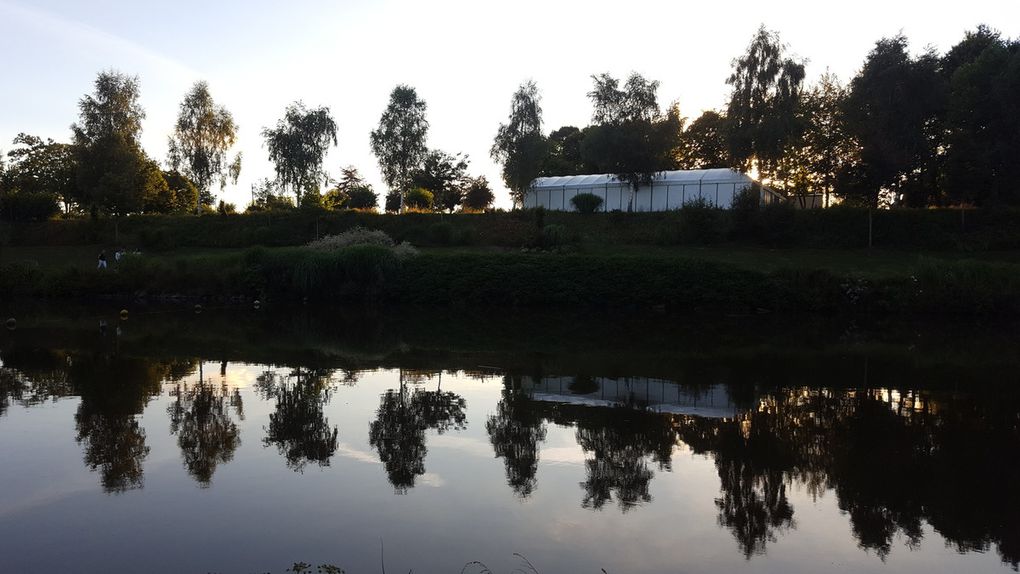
[(244, 441)]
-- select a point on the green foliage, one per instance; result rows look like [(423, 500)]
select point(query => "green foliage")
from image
[(702, 222), (519, 146), (38, 166), (198, 146), (419, 198), (761, 114), (19, 206), (478, 195), (631, 138), (564, 153), (703, 145), (225, 208), (298, 145), (109, 157), (351, 192), (892, 111), (183, 191), (444, 176), (586, 203), (399, 141)]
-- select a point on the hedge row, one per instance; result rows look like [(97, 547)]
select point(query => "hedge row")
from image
[(971, 230), (376, 274)]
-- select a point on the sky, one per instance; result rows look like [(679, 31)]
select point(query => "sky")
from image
[(465, 58)]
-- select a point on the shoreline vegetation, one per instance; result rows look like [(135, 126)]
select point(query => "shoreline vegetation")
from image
[(944, 262)]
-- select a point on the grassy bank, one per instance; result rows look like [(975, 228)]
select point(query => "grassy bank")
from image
[(603, 280), (839, 228)]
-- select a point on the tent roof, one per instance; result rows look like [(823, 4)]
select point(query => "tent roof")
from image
[(721, 175)]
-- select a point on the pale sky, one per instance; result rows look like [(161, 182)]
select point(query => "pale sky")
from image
[(465, 57)]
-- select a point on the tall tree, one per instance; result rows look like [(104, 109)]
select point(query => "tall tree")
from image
[(351, 192), (703, 144), (982, 121), (203, 135), (762, 108), (519, 145), (399, 141), (445, 176), (894, 110), (478, 195), (298, 146), (109, 157), (564, 153), (631, 138), (827, 149), (40, 167)]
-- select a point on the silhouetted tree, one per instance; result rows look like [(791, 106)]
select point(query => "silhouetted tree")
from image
[(762, 108), (202, 136), (298, 427), (515, 432), (112, 171), (564, 153), (703, 144), (444, 176), (519, 146), (631, 139), (206, 434), (893, 111), (478, 195), (399, 143), (298, 146)]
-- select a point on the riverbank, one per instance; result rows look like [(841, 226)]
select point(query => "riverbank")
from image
[(660, 279)]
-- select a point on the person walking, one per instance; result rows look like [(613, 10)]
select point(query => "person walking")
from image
[(102, 260)]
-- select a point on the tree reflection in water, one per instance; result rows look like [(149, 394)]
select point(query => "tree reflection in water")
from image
[(206, 434), (114, 390), (515, 432), (403, 416), (299, 427)]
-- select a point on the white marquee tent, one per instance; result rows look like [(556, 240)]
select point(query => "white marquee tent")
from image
[(668, 190)]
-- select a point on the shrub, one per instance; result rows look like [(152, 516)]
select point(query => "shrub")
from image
[(419, 198), (359, 237), (28, 206), (354, 236), (586, 203), (362, 197), (702, 222)]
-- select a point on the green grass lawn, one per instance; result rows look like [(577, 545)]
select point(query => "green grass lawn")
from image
[(865, 263)]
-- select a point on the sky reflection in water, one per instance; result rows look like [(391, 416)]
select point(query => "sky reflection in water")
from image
[(128, 452)]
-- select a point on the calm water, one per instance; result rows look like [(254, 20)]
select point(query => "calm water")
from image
[(243, 441)]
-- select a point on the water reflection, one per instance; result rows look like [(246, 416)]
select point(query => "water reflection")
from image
[(902, 453), (515, 431), (114, 391), (403, 416), (299, 428), (206, 433)]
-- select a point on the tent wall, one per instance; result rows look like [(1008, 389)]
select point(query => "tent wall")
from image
[(660, 196)]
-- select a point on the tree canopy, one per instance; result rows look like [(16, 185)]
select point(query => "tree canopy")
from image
[(399, 143), (298, 145), (519, 145), (202, 136)]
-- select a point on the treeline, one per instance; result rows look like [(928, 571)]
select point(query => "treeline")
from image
[(919, 131), (928, 130), (104, 170)]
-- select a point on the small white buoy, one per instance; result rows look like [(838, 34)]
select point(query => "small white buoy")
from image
[(11, 323), (198, 308), (257, 304)]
